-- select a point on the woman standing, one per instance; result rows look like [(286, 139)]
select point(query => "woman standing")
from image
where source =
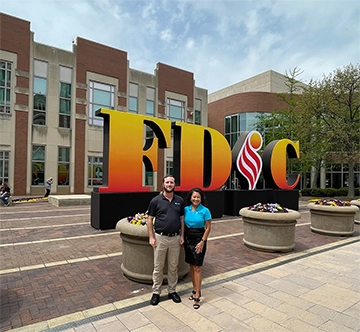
[(197, 228)]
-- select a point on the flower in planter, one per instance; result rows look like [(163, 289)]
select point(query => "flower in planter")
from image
[(332, 202), (268, 207), (313, 200), (138, 219)]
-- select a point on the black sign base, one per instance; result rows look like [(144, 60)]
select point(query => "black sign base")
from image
[(108, 208)]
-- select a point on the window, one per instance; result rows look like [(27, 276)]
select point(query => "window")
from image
[(4, 166), (149, 178), (133, 97), (65, 97), (40, 92), (101, 96), (238, 123), (175, 110), (197, 119), (5, 86), (63, 166), (150, 101), (38, 165), (65, 105), (169, 168), (95, 173)]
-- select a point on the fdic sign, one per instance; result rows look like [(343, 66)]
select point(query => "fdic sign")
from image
[(201, 158)]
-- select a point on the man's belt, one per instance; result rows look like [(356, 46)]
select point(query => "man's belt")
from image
[(167, 234)]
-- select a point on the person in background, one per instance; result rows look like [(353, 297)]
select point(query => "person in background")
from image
[(48, 184), (5, 193), (166, 236), (197, 221)]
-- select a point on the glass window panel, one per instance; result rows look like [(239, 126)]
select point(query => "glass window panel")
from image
[(7, 99), (39, 118), (234, 138), (38, 165), (39, 85), (336, 167), (63, 174), (101, 97), (242, 121), (150, 107), (227, 125), (65, 90), (169, 168), (40, 102), (64, 121), (234, 126), (175, 112), (133, 104), (38, 152), (197, 117), (2, 96), (64, 154), (95, 172), (2, 77), (38, 171), (4, 166), (65, 106)]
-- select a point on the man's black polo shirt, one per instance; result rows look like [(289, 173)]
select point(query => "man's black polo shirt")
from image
[(167, 214)]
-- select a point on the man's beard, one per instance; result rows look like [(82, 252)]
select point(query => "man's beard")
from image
[(168, 190)]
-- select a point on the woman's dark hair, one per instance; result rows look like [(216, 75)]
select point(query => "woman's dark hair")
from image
[(197, 190)]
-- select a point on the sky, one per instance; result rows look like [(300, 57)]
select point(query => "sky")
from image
[(221, 41)]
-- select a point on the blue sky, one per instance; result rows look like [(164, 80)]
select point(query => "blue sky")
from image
[(221, 41)]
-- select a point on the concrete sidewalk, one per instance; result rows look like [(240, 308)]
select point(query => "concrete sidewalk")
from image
[(59, 274), (317, 290)]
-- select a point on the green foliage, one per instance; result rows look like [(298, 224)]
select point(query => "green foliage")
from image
[(325, 118), (328, 192)]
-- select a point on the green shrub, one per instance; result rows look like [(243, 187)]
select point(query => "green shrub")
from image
[(327, 192)]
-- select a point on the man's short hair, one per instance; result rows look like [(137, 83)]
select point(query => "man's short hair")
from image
[(168, 176)]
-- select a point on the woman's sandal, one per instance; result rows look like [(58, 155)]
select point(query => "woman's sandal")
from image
[(191, 297), (196, 304)]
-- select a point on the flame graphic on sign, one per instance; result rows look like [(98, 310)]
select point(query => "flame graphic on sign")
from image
[(248, 161)]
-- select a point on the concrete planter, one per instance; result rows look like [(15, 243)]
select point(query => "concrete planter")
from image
[(332, 220), (138, 255), (272, 232), (357, 214)]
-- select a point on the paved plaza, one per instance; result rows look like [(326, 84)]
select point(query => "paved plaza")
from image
[(57, 273)]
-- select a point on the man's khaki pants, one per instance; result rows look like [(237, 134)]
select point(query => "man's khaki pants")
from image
[(166, 247)]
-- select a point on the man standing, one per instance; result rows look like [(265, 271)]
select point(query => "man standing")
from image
[(48, 184), (166, 235)]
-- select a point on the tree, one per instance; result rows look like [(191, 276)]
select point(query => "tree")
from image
[(293, 122), (334, 102), (324, 117)]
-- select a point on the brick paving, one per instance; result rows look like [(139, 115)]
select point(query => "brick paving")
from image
[(53, 263)]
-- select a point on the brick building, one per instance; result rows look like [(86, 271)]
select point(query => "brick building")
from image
[(48, 100)]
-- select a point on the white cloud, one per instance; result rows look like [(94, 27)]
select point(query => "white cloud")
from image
[(221, 41)]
